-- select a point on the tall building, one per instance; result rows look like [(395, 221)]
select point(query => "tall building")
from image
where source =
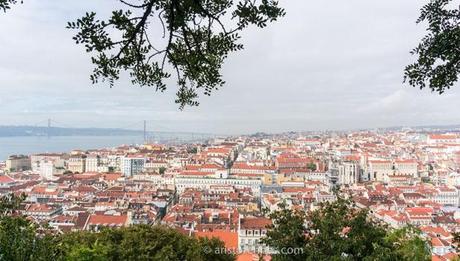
[(92, 163), (132, 166), (47, 169), (77, 163), (36, 159), (406, 167), (378, 170), (18, 163), (348, 173)]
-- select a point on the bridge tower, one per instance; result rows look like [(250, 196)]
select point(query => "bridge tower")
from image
[(49, 128), (145, 131)]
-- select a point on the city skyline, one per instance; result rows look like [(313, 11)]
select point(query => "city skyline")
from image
[(238, 189), (295, 75)]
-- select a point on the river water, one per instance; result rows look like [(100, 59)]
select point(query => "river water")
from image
[(40, 144)]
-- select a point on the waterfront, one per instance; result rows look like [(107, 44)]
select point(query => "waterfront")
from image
[(40, 144)]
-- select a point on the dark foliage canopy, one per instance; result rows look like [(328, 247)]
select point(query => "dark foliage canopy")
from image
[(438, 53), (340, 231), (6, 4)]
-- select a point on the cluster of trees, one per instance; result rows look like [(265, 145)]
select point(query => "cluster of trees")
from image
[(438, 54), (311, 166), (22, 240), (340, 231)]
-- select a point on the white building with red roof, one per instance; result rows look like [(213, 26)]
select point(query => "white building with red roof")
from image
[(442, 138), (6, 181), (96, 221), (250, 232)]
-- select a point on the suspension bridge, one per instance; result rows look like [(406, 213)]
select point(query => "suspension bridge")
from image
[(148, 131)]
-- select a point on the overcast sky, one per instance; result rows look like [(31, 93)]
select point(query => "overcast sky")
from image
[(326, 65)]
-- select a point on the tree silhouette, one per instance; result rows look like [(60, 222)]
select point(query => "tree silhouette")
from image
[(438, 54), (195, 39)]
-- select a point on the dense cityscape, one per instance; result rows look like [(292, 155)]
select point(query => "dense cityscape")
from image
[(226, 187)]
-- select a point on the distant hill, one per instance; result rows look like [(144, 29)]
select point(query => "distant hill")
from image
[(16, 131), (30, 131)]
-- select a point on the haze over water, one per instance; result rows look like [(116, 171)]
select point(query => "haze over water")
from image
[(42, 144)]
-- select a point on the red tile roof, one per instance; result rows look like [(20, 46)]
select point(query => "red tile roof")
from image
[(255, 223), (6, 179), (228, 237), (107, 220)]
